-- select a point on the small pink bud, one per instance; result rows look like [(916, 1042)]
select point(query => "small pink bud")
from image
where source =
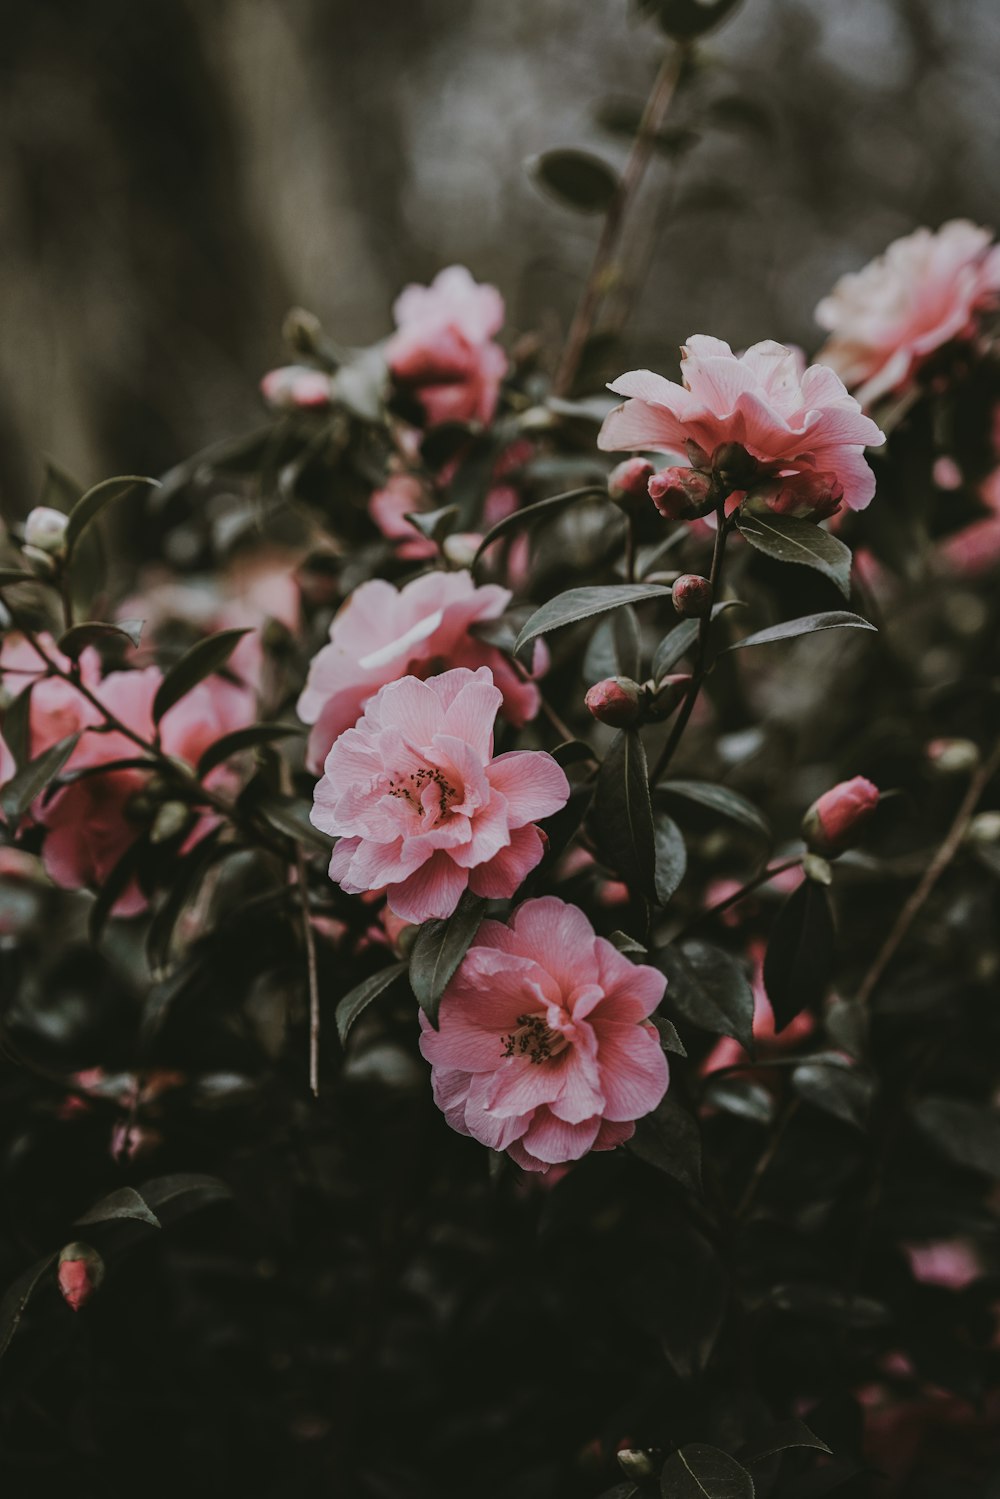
[(296, 386), (837, 819), (952, 757), (692, 595), (670, 692), (630, 480), (615, 701), (80, 1273), (806, 496), (682, 493)]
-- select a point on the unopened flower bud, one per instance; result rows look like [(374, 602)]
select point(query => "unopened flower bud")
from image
[(616, 701), (170, 821), (984, 828), (45, 530), (80, 1273), (628, 482), (837, 819), (952, 757), (301, 330), (682, 493), (670, 692), (692, 595), (733, 467), (636, 1464), (806, 496), (296, 387), (460, 548)]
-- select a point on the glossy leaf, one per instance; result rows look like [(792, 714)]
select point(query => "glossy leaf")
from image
[(529, 514), (92, 632), (680, 641), (31, 780), (709, 988), (780, 1437), (290, 815), (205, 657), (357, 1000), (90, 504), (699, 1472), (809, 624), (669, 1139), (836, 1086), (434, 524), (721, 799), (126, 1202), (183, 1192), (798, 965), (623, 814), (582, 603), (439, 948), (739, 1096), (966, 1133), (671, 856), (16, 1297), (787, 538), (244, 739), (577, 179)]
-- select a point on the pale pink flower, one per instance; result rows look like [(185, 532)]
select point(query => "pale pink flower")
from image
[(443, 351), (420, 805), (924, 291), (297, 386), (402, 494), (791, 420), (382, 634), (544, 1048)]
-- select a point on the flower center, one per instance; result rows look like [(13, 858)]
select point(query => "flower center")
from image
[(534, 1039), (411, 788)]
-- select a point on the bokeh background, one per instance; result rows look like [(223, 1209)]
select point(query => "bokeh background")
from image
[(175, 174)]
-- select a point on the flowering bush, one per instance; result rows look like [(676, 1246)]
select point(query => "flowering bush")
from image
[(365, 880)]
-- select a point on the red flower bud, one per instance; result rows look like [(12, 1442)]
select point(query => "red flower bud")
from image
[(837, 819), (80, 1272), (615, 701), (807, 496), (692, 595), (682, 493), (630, 480)]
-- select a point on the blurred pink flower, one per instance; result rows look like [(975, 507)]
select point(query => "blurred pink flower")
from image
[(789, 419), (544, 1048), (296, 385), (421, 807), (950, 1263), (382, 634), (388, 506), (923, 291), (442, 349)]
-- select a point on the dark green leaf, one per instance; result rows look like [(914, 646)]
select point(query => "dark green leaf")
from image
[(699, 1472), (439, 948), (114, 885), (846, 1024), (720, 799), (11, 576), (290, 815), (798, 965), (17, 726), (835, 1086), (779, 1438), (528, 514), (204, 658), (966, 1133), (685, 1305), (669, 1139), (183, 1192), (60, 491), (684, 20), (434, 524), (628, 945), (826, 1303), (92, 631), (572, 752), (126, 1202), (709, 988), (360, 997), (16, 1298), (29, 782), (243, 739), (186, 877), (739, 1096), (671, 856), (681, 639), (667, 1032), (90, 504), (809, 624), (623, 814), (786, 538), (628, 645), (576, 179), (582, 603)]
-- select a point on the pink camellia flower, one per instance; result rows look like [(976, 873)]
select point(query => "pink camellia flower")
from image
[(382, 634), (544, 1048), (420, 805), (443, 351), (837, 819), (402, 495), (924, 291), (297, 386), (789, 419)]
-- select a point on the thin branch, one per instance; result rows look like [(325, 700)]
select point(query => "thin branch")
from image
[(935, 869), (731, 900), (309, 937)]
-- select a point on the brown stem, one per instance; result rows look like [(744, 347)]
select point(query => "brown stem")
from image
[(746, 1202), (309, 937), (935, 869), (596, 285), (701, 664)]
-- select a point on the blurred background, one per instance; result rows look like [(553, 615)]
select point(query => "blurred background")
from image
[(176, 174)]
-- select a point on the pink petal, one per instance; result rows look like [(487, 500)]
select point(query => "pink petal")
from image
[(533, 784)]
